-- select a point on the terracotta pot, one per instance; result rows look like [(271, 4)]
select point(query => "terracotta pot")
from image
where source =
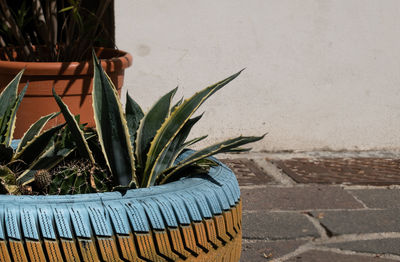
[(72, 81)]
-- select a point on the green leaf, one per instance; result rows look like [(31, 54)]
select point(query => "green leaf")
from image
[(192, 142), (9, 95), (176, 105), (170, 154), (112, 127), (35, 129), (9, 103), (49, 159), (133, 114), (73, 126), (13, 117), (239, 150), (4, 126), (149, 125), (66, 9), (37, 145), (222, 147), (174, 124), (185, 146)]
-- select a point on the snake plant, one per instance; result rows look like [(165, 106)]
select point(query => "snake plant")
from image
[(141, 150), (37, 150)]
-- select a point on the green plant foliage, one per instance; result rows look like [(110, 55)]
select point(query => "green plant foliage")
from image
[(35, 130), (127, 150), (43, 179), (78, 177), (9, 103), (53, 30), (133, 114), (7, 181), (18, 167), (74, 128), (157, 137), (112, 128)]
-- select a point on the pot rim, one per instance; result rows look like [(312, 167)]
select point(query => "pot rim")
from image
[(119, 61)]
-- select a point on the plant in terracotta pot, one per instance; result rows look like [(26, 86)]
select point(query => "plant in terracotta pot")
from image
[(52, 40), (154, 198)]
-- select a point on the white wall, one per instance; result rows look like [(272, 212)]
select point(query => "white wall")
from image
[(320, 74)]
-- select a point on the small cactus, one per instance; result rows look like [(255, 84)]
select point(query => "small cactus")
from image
[(78, 177), (42, 179)]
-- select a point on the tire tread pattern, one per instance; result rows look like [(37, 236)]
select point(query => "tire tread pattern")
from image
[(194, 219)]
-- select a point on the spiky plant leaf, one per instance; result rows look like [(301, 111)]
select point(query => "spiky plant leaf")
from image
[(49, 159), (173, 149), (174, 124), (112, 128), (133, 114), (192, 142), (73, 126), (36, 146), (176, 105), (223, 147), (9, 95), (240, 150), (4, 121), (9, 135), (186, 145), (35, 130), (179, 141), (8, 102), (148, 127)]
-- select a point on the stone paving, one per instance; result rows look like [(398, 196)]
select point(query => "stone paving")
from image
[(286, 221)]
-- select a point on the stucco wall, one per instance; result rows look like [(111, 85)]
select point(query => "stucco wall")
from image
[(320, 74)]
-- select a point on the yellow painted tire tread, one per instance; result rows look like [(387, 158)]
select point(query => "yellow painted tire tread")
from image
[(193, 219)]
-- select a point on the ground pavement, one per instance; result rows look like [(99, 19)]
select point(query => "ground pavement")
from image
[(286, 220)]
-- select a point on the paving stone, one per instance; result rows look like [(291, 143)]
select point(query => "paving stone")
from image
[(378, 198), (298, 198), (277, 225), (376, 246), (360, 221), (247, 171), (326, 256), (262, 250)]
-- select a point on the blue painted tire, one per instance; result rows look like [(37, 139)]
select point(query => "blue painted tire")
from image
[(193, 219)]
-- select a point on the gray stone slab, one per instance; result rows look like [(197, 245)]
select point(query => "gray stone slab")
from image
[(360, 221), (298, 198), (325, 256), (277, 225), (378, 198), (262, 250), (376, 246)]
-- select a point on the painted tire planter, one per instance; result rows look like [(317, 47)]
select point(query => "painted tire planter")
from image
[(193, 219)]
